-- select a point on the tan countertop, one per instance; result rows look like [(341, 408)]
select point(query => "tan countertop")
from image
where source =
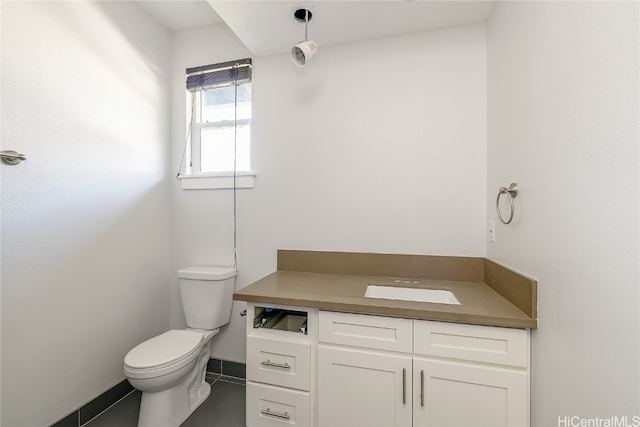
[(480, 304)]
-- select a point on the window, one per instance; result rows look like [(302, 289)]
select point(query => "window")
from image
[(219, 120)]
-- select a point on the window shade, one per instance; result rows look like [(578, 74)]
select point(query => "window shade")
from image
[(215, 75)]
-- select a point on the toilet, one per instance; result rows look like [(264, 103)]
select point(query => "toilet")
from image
[(170, 368)]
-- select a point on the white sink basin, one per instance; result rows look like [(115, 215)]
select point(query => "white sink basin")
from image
[(438, 296)]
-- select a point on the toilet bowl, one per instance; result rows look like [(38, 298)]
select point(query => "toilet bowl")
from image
[(170, 371), (170, 368)]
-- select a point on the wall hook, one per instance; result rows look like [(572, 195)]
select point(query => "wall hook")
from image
[(10, 157)]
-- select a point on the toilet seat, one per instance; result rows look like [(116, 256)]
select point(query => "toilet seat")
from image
[(163, 354)]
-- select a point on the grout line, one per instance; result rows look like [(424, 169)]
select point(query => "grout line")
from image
[(111, 406), (233, 380)]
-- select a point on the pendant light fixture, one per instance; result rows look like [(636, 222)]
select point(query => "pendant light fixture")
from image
[(303, 51)]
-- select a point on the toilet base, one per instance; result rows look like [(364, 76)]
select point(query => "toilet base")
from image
[(171, 407)]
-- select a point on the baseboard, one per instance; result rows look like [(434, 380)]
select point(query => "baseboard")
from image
[(95, 407), (227, 368)]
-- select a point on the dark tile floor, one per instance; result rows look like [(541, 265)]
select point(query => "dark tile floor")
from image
[(225, 407)]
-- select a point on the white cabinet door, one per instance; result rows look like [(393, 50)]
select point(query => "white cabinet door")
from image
[(461, 394), (359, 388)]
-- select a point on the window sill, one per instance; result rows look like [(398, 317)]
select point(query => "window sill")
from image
[(218, 181)]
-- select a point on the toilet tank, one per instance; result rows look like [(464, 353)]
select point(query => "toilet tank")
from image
[(207, 295)]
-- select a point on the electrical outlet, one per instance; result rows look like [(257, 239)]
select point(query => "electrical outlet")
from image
[(492, 231)]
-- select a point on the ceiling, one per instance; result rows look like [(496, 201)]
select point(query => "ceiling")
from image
[(268, 27), (176, 15)]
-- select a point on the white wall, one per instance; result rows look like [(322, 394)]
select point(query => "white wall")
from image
[(378, 146), (563, 123), (0, 228), (85, 241)]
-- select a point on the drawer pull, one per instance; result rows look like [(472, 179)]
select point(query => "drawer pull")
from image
[(422, 388), (269, 363), (404, 386), (269, 413)]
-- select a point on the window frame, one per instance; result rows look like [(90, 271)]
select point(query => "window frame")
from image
[(194, 177), (196, 138)]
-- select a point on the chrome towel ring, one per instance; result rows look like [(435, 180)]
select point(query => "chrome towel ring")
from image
[(511, 193)]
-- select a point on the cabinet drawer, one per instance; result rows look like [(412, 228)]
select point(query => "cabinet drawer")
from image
[(361, 330), (279, 362), (274, 406), (504, 346)]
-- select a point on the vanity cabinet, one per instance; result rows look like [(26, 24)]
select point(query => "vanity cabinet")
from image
[(379, 371), (309, 367), (280, 355)]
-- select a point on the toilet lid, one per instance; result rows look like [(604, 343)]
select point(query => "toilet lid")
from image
[(163, 349)]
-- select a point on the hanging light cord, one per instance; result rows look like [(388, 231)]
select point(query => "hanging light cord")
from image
[(186, 142), (235, 169), (235, 159)]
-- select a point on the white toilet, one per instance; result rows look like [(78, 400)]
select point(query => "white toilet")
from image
[(170, 369)]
